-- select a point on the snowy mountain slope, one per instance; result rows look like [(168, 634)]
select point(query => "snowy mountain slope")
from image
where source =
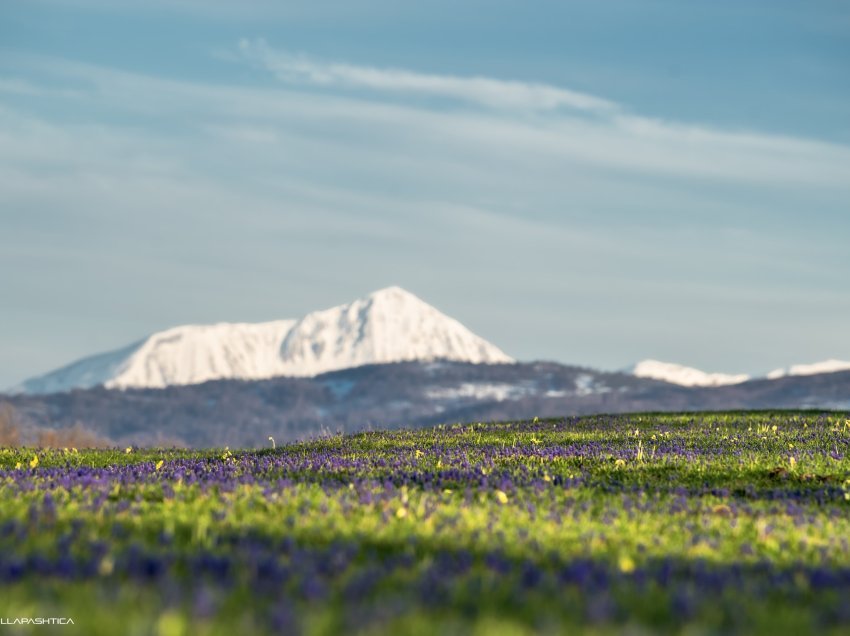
[(682, 375), (188, 354), (83, 374), (826, 366), (193, 354), (390, 325)]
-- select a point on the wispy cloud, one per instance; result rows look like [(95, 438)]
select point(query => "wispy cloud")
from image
[(326, 168), (172, 145), (569, 126), (329, 175), (485, 91)]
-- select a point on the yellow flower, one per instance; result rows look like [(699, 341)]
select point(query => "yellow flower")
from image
[(620, 463), (159, 464), (128, 450), (18, 466), (401, 513), (34, 462), (501, 497), (106, 566), (722, 510), (626, 564)]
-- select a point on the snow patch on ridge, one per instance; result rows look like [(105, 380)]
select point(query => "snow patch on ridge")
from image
[(586, 384), (825, 366), (477, 391), (682, 375)]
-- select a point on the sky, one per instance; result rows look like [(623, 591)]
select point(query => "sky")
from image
[(588, 182)]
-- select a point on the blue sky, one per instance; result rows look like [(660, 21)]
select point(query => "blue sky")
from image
[(588, 182)]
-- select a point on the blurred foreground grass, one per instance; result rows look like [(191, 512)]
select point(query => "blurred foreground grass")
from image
[(698, 523)]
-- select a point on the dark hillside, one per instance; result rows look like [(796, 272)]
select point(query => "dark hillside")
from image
[(240, 413)]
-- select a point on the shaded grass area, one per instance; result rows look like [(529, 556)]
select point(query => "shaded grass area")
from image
[(706, 523)]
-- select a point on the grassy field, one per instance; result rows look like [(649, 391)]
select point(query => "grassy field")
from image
[(698, 523)]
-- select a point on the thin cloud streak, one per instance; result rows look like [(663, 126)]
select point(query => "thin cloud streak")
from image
[(267, 136), (492, 93), (567, 125)]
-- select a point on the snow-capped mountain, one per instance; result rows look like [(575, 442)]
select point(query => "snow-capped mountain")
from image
[(389, 325), (682, 375), (825, 366)]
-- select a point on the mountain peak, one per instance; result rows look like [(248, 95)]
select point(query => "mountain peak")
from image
[(393, 299), (388, 325), (393, 292)]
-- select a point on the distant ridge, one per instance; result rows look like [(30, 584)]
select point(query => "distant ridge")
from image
[(408, 394), (815, 368), (689, 376), (389, 325), (682, 375)]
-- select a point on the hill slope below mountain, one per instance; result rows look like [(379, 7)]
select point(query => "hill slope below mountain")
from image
[(246, 413)]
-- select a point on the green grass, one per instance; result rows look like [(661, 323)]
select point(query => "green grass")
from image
[(696, 523)]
